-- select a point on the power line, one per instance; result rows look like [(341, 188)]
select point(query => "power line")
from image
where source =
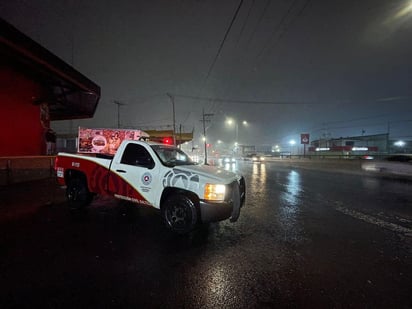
[(291, 23), (221, 46), (246, 20), (259, 21), (355, 119), (402, 136), (368, 118), (278, 26), (223, 42), (303, 8), (245, 101), (363, 126), (365, 101)]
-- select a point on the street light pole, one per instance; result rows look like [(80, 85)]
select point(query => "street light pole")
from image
[(292, 143), (172, 99), (118, 103), (237, 132), (231, 121)]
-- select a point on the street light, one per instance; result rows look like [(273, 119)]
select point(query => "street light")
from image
[(276, 148), (231, 122), (399, 143)]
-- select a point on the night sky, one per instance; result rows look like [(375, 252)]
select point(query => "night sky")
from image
[(324, 67)]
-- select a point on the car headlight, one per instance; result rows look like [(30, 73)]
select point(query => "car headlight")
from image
[(262, 158), (215, 192)]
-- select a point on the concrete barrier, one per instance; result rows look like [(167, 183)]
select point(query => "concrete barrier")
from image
[(348, 166), (22, 169)]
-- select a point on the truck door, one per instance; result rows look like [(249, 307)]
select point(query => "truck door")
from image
[(135, 177)]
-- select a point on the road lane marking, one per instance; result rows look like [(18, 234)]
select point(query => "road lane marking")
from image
[(373, 220)]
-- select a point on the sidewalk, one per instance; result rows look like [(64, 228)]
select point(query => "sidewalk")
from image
[(27, 197)]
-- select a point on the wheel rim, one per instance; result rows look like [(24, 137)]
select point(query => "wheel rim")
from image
[(178, 217), (73, 193), (77, 194)]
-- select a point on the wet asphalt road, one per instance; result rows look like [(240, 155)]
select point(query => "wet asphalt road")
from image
[(304, 239)]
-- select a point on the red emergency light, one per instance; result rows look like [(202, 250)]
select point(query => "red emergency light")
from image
[(167, 140)]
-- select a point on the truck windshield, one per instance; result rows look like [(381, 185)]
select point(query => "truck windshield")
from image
[(171, 156)]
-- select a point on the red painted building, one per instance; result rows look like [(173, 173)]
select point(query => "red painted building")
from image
[(37, 87)]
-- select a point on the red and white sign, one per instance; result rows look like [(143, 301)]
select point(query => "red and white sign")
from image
[(304, 138)]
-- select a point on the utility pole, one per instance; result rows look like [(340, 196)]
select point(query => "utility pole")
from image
[(387, 138), (205, 119), (180, 135), (118, 103), (172, 99)]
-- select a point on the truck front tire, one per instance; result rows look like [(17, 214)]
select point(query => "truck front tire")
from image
[(77, 193), (180, 213)]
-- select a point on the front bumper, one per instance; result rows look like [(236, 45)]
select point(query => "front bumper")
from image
[(230, 208)]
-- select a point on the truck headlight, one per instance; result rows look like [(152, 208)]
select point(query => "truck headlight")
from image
[(215, 192)]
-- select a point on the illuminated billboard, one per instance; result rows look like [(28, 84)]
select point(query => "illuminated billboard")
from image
[(106, 141)]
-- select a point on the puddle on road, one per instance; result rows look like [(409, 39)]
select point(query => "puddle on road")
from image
[(290, 207)]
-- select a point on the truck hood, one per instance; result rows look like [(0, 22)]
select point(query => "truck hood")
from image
[(214, 173)]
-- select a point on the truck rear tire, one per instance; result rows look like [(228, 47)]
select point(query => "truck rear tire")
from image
[(77, 193), (180, 213)]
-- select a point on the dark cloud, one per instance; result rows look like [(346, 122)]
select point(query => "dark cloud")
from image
[(346, 60)]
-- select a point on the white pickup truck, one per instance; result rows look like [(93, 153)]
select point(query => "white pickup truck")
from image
[(158, 175)]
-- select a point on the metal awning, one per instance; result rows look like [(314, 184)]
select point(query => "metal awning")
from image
[(69, 94)]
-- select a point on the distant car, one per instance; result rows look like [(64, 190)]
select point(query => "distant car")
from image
[(366, 157), (254, 157), (228, 159), (400, 165)]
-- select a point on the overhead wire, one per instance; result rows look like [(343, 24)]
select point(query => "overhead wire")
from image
[(245, 101), (245, 22), (363, 126), (291, 23), (222, 43), (278, 26), (259, 21), (303, 8), (215, 99)]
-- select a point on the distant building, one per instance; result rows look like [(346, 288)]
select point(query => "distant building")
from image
[(348, 146), (37, 87), (166, 136), (247, 149), (264, 149)]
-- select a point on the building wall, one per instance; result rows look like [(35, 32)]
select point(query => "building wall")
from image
[(375, 144), (23, 124)]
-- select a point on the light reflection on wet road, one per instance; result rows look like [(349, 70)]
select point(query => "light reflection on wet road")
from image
[(304, 239)]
